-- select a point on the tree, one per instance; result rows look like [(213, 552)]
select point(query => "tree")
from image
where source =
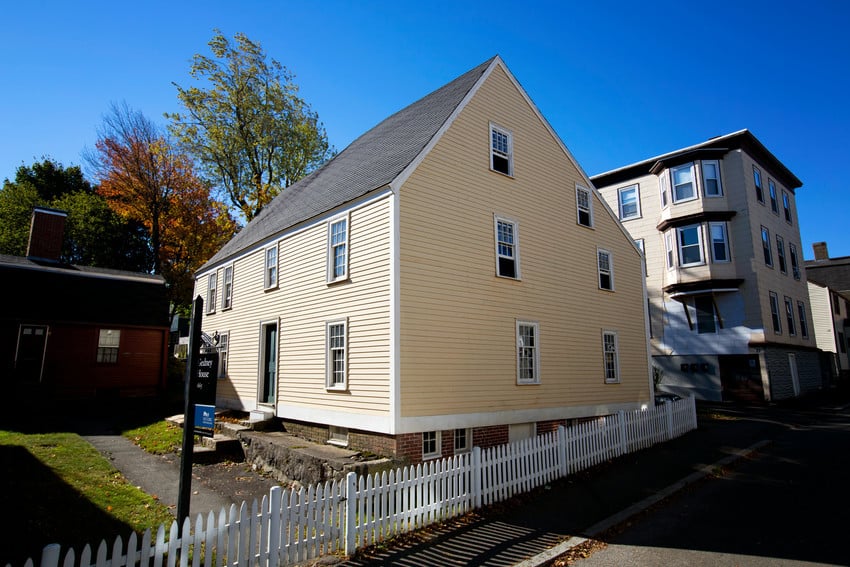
[(145, 179), (251, 132), (94, 235)]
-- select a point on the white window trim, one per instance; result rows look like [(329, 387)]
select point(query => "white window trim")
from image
[(636, 189), (227, 295), (439, 446), (212, 291), (589, 206), (329, 369), (536, 327), (510, 155), (669, 249), (716, 164), (267, 283), (468, 435), (700, 243), (616, 379), (663, 184), (601, 272), (725, 228), (693, 184), (222, 368), (496, 220), (331, 277)]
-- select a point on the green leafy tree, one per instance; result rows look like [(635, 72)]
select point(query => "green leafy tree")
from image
[(250, 131), (94, 234)]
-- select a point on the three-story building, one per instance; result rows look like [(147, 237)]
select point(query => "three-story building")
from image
[(727, 295)]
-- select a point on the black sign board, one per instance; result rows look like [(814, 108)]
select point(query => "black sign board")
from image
[(205, 380)]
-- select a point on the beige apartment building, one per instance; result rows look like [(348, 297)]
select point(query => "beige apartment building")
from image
[(451, 279), (730, 316)]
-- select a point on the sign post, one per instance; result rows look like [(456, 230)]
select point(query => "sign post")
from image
[(199, 405)]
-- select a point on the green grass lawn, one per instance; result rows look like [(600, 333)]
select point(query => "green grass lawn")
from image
[(159, 437), (59, 489)]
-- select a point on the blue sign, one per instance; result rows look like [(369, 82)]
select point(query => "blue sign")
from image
[(204, 420)]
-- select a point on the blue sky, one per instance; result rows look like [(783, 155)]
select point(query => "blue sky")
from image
[(619, 82)]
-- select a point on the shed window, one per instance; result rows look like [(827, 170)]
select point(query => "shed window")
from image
[(108, 342)]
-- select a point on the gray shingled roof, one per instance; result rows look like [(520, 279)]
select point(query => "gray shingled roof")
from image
[(22, 262), (371, 161)]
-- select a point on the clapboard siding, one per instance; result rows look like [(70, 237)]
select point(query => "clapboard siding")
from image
[(457, 319), (302, 304)]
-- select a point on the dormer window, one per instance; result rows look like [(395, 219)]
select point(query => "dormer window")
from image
[(501, 150)]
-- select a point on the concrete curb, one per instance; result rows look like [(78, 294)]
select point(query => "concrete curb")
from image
[(622, 516)]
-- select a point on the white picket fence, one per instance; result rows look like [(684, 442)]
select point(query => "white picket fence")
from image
[(289, 527)]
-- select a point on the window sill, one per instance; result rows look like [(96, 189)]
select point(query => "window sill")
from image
[(537, 383), (337, 388), (338, 280), (612, 381), (271, 288), (508, 175)]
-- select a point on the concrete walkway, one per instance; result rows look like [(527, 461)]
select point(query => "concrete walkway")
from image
[(155, 475)]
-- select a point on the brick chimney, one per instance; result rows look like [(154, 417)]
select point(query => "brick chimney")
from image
[(821, 253), (47, 232)]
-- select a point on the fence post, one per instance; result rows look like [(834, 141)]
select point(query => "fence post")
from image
[(668, 416), (477, 489), (624, 442), (693, 410), (350, 528), (50, 555), (275, 499), (562, 450)]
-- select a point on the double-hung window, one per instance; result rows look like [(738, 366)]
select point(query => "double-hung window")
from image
[(795, 263), (605, 268), (610, 357), (584, 204), (711, 178), (789, 315), (629, 201), (780, 254), (786, 205), (528, 352), (683, 183), (507, 248), (223, 348), (804, 323), (270, 272), (690, 245), (774, 313), (501, 150), (774, 202), (338, 249), (431, 441), (719, 242), (211, 292), (663, 187), (765, 246), (668, 245), (108, 342), (227, 288), (336, 355), (757, 183)]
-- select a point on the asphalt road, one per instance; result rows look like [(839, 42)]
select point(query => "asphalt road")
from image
[(788, 504)]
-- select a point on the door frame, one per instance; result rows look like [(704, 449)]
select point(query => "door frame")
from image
[(43, 348), (261, 364)]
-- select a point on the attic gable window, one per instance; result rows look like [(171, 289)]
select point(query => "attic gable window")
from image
[(501, 150), (584, 204), (507, 248), (338, 250)]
